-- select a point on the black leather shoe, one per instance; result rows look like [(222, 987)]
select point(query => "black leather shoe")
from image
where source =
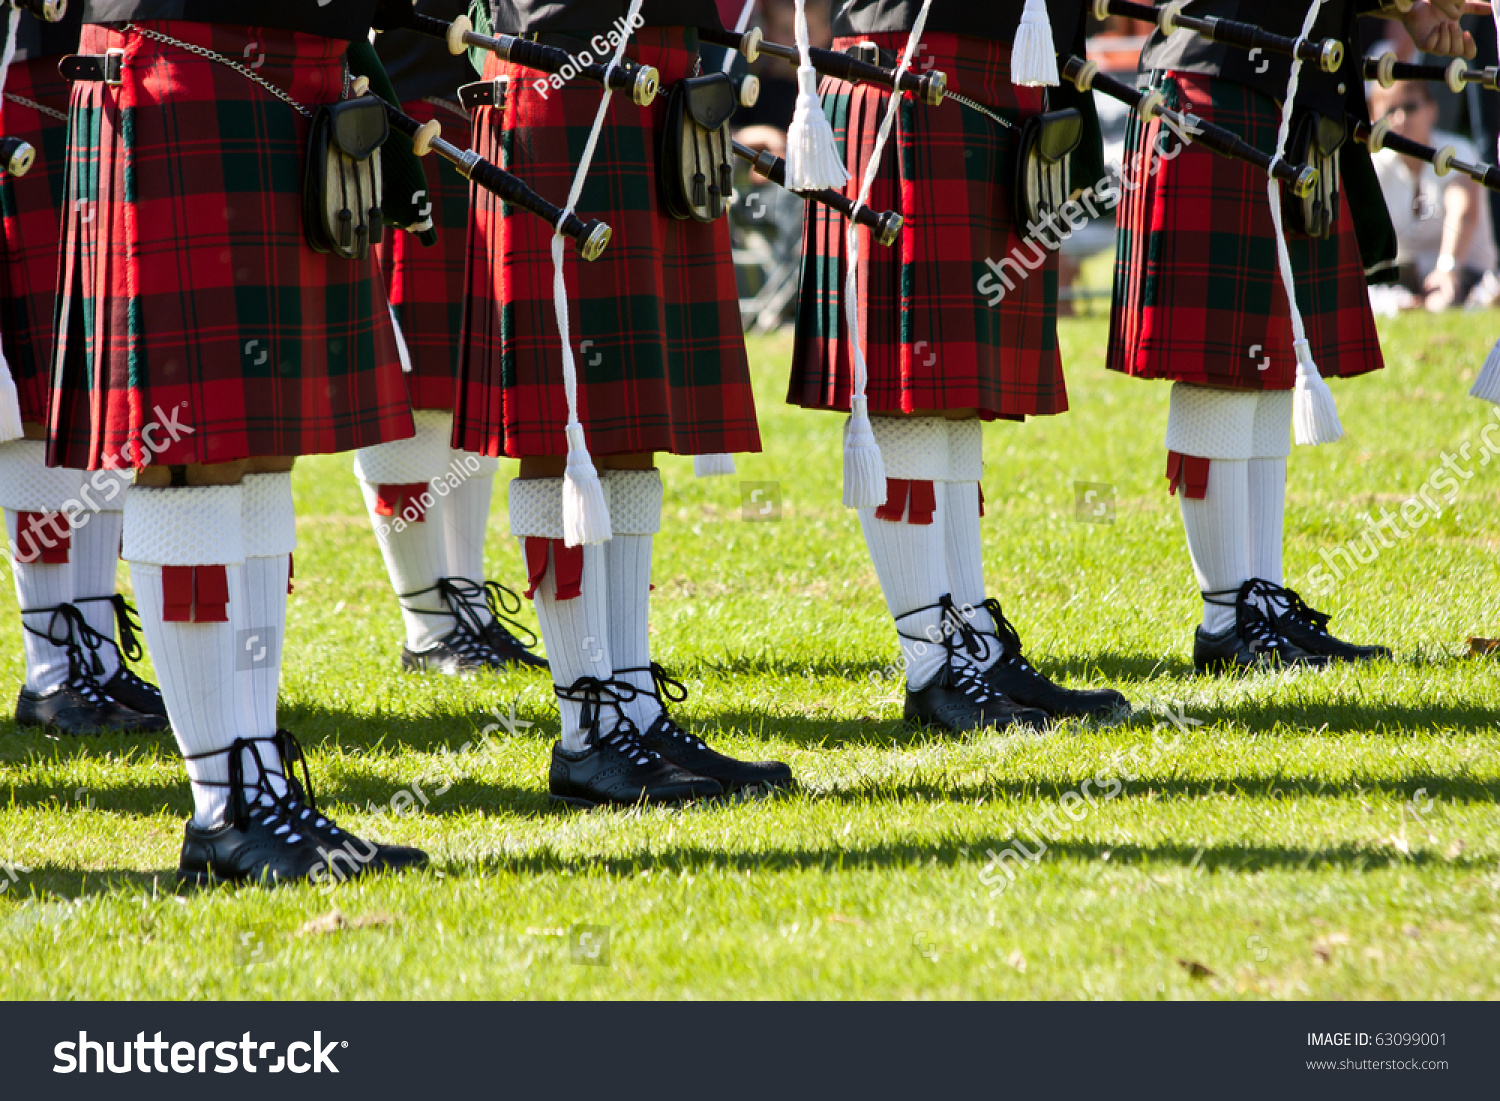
[(622, 771), (459, 654), (139, 695), (1307, 627), (259, 848), (481, 639), (81, 708), (280, 838), (614, 766), (1264, 649), (302, 811), (959, 700), (747, 779), (1019, 681)]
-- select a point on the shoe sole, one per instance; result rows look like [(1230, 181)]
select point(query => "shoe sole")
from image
[(749, 793)]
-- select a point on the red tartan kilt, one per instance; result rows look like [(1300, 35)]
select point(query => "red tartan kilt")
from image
[(32, 208), (426, 284), (655, 321), (190, 298), (1198, 295), (931, 337)]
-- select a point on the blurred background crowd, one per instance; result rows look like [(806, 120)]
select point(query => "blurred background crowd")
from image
[(1446, 225)]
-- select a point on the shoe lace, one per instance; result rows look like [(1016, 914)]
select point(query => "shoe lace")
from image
[(668, 689), (126, 623), (505, 604), (258, 801), (81, 643), (1005, 634), (595, 695), (301, 791), (961, 639), (462, 601), (1284, 603)]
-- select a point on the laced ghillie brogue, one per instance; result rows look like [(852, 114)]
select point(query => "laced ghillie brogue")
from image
[(1307, 627), (1253, 643), (743, 779), (477, 644), (275, 833), (614, 766), (80, 705), (1018, 680), (959, 699), (124, 686)]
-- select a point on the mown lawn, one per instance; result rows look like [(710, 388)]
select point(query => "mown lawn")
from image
[(1313, 835)]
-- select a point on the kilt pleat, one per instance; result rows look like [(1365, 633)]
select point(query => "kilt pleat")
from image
[(426, 283), (931, 336), (189, 297), (655, 321), (31, 208), (1197, 290)]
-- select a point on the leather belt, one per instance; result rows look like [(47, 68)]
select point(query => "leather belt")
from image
[(485, 93), (107, 68)]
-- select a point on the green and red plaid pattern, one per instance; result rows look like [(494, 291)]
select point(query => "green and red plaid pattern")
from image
[(31, 207), (189, 295), (426, 283), (655, 321), (1198, 295), (931, 336)]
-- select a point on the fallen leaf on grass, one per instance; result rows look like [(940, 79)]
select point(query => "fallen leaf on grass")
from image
[(1196, 970), (334, 920), (1016, 960)]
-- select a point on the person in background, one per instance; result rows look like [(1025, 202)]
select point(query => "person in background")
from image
[(1442, 224)]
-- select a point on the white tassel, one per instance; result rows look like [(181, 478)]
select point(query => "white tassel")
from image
[(713, 466), (812, 154), (1487, 385), (10, 404), (585, 512), (1033, 59), (403, 352), (1315, 417), (864, 469)]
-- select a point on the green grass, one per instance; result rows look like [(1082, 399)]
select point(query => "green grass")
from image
[(1287, 844)]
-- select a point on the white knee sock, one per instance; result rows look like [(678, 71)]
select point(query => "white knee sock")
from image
[(41, 587), (635, 517), (270, 537), (961, 519), (30, 488), (96, 558), (575, 627), (182, 544), (466, 517), (908, 548), (396, 479), (1216, 425), (1267, 479)]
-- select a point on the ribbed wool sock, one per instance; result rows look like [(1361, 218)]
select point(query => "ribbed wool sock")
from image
[(635, 498), (570, 593), (270, 537)]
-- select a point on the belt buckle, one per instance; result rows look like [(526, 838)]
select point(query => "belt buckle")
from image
[(114, 66), (499, 89)]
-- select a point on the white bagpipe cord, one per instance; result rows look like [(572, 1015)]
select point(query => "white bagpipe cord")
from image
[(1033, 58), (10, 398), (864, 470), (812, 154), (1487, 385), (585, 512), (1315, 418), (718, 464)]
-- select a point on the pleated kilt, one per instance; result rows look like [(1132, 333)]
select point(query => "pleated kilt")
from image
[(655, 321), (931, 335), (190, 298), (426, 283), (1198, 295), (31, 207)]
